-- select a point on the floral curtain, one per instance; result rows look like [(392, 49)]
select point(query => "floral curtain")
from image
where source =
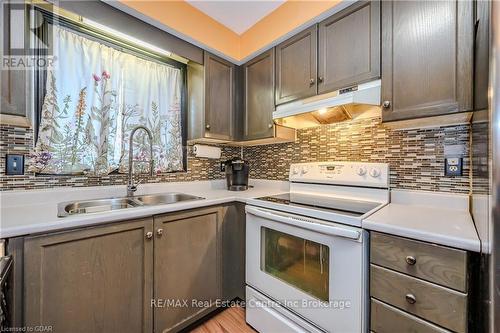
[(95, 96)]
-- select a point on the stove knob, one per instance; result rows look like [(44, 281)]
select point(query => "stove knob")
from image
[(361, 171), (375, 172), (295, 171), (304, 170)]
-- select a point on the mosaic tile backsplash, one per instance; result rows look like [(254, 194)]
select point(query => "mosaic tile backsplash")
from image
[(416, 157), (481, 158), (17, 140)]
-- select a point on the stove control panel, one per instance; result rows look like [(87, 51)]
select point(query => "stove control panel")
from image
[(341, 173)]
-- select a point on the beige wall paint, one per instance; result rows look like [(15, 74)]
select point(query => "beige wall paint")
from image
[(187, 20), (278, 23)]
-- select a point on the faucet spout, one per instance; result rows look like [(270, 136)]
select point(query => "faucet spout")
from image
[(131, 187)]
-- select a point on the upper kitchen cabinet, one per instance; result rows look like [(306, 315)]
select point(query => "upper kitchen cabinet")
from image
[(349, 47), (296, 66), (211, 100), (219, 94), (427, 58), (258, 94)]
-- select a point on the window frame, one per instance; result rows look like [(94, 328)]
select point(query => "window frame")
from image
[(108, 39)]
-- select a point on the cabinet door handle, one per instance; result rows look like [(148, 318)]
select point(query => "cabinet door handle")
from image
[(159, 232), (411, 260), (270, 126), (311, 82), (410, 298), (207, 126), (320, 79), (386, 104), (149, 234)]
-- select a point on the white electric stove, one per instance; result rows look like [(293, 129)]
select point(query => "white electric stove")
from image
[(306, 254)]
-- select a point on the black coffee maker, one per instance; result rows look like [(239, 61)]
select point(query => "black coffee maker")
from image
[(237, 174)]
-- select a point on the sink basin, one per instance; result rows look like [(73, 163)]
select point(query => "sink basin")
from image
[(109, 204), (164, 198), (94, 206)]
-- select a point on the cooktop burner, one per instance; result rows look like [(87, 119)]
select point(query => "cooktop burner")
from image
[(348, 207)]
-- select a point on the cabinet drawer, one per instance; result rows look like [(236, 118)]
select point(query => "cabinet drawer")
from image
[(430, 262), (388, 319), (442, 306)]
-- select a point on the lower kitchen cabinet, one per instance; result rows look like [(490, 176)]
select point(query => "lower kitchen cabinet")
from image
[(420, 287), (186, 267), (90, 280), (232, 232), (386, 318), (157, 274)]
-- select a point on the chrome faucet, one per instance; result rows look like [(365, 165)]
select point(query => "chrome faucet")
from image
[(131, 187)]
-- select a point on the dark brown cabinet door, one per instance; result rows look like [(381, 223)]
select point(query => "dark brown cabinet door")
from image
[(219, 98), (259, 97), (482, 48), (427, 58), (186, 266), (349, 47), (91, 280), (296, 66), (232, 232)]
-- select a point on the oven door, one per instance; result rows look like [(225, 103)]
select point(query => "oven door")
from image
[(316, 269)]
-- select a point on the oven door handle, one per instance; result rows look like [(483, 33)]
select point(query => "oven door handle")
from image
[(304, 223)]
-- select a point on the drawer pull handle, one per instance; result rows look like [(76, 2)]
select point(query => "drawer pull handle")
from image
[(410, 298), (410, 260)]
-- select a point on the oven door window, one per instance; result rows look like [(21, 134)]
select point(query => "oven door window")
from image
[(299, 262)]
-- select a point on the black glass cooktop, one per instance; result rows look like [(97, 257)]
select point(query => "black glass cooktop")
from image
[(324, 203)]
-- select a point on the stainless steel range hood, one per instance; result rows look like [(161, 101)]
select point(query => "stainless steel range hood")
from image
[(357, 101)]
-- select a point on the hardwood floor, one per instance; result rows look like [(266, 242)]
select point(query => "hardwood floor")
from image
[(231, 320)]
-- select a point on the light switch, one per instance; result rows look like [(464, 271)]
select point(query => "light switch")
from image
[(14, 164)]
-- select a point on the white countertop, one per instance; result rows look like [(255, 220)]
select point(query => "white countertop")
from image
[(432, 217), (438, 218), (35, 211)]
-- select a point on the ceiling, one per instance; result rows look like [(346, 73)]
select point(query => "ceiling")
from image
[(237, 15)]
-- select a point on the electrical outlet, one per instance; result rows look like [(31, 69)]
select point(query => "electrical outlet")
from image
[(14, 164), (453, 166)]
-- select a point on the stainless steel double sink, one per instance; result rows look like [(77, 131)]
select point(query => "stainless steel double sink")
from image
[(102, 205)]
